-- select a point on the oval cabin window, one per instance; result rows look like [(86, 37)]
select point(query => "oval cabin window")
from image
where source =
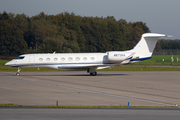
[(48, 59), (85, 58), (92, 58), (55, 59), (70, 59), (62, 58), (40, 59), (77, 59)]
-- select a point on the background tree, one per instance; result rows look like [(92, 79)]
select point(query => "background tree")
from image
[(67, 32), (11, 37)]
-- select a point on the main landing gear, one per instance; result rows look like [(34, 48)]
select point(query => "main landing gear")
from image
[(18, 72), (92, 71)]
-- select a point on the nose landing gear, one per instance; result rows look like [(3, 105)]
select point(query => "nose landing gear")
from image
[(18, 72)]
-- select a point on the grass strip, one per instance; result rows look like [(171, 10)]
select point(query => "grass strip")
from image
[(67, 106), (116, 68)]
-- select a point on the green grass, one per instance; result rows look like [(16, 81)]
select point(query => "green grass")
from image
[(67, 106), (116, 68), (2, 62), (157, 60), (142, 68), (13, 69)]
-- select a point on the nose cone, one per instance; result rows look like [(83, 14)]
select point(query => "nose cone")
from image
[(8, 64)]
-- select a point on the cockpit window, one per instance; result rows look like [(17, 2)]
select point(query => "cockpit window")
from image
[(20, 57)]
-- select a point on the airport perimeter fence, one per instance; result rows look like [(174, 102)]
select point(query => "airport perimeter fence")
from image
[(172, 60), (166, 52)]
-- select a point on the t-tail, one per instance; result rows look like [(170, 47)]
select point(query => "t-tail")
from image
[(145, 47), (142, 51)]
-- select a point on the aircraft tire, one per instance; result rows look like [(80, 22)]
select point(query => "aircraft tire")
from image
[(93, 73), (17, 74)]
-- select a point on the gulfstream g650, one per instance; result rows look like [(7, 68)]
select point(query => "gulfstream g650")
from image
[(89, 61)]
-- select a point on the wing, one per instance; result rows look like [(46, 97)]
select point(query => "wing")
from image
[(86, 66)]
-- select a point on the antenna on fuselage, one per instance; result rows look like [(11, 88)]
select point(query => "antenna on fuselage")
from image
[(54, 52)]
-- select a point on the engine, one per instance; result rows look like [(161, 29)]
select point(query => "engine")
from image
[(118, 56)]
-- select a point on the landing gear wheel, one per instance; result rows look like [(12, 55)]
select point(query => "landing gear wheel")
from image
[(93, 73), (17, 74)]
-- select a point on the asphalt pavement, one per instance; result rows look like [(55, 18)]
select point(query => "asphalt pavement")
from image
[(88, 114)]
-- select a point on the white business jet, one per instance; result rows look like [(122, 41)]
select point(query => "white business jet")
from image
[(89, 61)]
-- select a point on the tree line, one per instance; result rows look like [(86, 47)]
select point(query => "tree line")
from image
[(66, 33), (164, 44)]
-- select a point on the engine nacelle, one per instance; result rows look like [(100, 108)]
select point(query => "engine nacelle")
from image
[(118, 56)]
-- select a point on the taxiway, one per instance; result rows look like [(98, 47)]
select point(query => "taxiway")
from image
[(140, 88)]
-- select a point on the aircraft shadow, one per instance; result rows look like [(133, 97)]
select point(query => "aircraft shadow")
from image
[(63, 74), (96, 75), (24, 74)]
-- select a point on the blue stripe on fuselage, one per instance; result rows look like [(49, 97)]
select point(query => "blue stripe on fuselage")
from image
[(141, 59)]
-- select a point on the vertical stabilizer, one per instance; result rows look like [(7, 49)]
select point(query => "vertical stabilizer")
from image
[(146, 45)]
